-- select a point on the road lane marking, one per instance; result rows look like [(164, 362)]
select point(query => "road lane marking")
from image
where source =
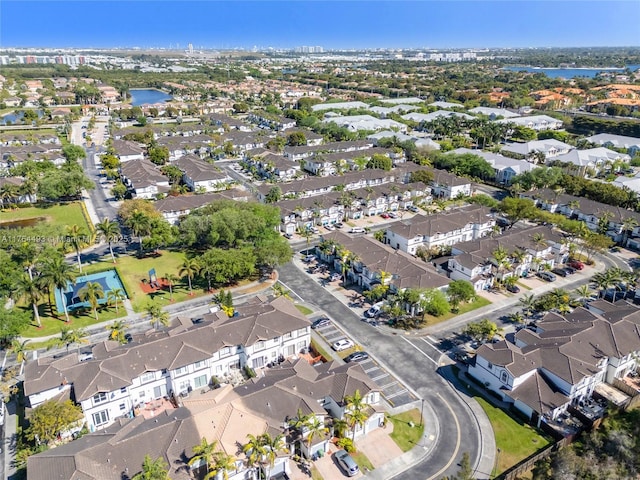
[(455, 453), (424, 354), (291, 290), (431, 345)]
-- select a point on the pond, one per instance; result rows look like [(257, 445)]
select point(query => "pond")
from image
[(25, 222), (16, 117), (144, 96)]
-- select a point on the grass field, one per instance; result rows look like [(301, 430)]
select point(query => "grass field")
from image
[(464, 308), (515, 439), (304, 310), (363, 462), (61, 215), (406, 436)]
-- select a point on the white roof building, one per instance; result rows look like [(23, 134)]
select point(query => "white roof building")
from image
[(430, 117), (550, 147), (494, 113), (592, 158), (401, 101), (419, 142), (631, 144), (536, 122), (338, 106), (446, 105), (366, 122)]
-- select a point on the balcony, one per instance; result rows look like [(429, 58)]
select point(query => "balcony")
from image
[(153, 408)]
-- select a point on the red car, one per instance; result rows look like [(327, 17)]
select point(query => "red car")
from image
[(384, 215), (577, 264)]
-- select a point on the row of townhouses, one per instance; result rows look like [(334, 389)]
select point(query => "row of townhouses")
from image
[(556, 366)]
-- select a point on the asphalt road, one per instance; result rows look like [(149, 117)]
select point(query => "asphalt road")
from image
[(418, 363)]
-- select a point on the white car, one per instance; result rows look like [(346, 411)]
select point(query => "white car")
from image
[(374, 311), (342, 344)]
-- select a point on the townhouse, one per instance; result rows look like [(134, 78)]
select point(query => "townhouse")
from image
[(528, 150), (226, 416), (311, 137), (505, 168), (300, 152), (127, 151), (243, 141), (557, 365), (440, 230), (599, 217), (591, 161), (121, 378), (179, 146), (494, 113), (419, 142), (401, 101), (228, 122), (446, 105), (14, 156), (173, 208), (528, 250), (325, 164), (201, 176), (433, 116), (274, 167), (399, 109), (339, 106), (448, 186), (272, 122), (535, 122), (630, 144), (312, 186), (143, 179)]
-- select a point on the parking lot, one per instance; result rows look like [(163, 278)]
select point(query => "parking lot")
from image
[(392, 390)]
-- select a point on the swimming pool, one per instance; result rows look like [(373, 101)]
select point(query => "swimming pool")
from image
[(108, 280)]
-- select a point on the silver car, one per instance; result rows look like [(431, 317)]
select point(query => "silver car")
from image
[(347, 463)]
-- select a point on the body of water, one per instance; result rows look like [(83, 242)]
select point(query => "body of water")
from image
[(570, 72), (16, 118), (148, 96)]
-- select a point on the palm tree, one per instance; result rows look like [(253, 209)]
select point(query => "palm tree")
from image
[(307, 234), (116, 295), (203, 453), (501, 260), (190, 267), (171, 279), (140, 225), (158, 316), (628, 224), (110, 231), (280, 291), (153, 470), (314, 428), (272, 446), (69, 337), (19, 349), (59, 274), (28, 288), (339, 426), (584, 292), (92, 292), (254, 449), (77, 238), (117, 331), (222, 464), (528, 303), (539, 240), (355, 411)]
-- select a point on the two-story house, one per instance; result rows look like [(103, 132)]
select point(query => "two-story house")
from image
[(529, 150), (199, 175), (143, 178)]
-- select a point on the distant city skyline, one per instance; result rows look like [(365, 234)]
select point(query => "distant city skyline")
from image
[(331, 24)]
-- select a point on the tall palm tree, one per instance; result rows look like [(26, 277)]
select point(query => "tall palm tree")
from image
[(140, 225), (76, 238), (92, 292), (171, 279), (500, 260), (116, 295), (528, 303), (254, 450), (153, 469), (117, 331), (69, 337), (19, 349), (110, 231), (314, 428), (158, 316), (355, 411), (222, 464), (28, 288), (190, 267), (203, 453), (628, 224), (583, 292), (272, 446), (539, 240), (57, 273)]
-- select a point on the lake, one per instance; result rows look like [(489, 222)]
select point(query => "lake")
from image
[(16, 118), (143, 96), (570, 72)]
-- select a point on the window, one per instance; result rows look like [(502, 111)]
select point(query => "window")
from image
[(122, 406), (148, 377), (302, 332), (504, 377), (225, 351), (123, 390), (287, 336), (100, 418), (200, 381), (259, 346), (200, 364), (490, 365), (181, 371), (99, 398)]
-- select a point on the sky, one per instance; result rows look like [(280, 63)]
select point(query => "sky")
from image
[(330, 24)]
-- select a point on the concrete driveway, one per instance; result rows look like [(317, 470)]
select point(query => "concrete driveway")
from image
[(378, 446)]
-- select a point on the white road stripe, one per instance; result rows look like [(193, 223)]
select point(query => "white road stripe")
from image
[(424, 354)]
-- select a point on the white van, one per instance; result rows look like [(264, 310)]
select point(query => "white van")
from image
[(357, 230)]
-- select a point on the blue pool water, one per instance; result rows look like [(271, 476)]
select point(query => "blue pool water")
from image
[(109, 280)]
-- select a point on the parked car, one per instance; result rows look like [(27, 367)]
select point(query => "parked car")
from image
[(357, 230), (570, 270), (343, 344), (288, 236), (320, 322), (614, 249), (393, 215), (513, 288), (339, 225), (560, 271), (330, 227), (413, 208), (577, 264), (547, 276), (374, 311), (384, 215), (347, 463), (356, 357), (309, 258), (335, 276)]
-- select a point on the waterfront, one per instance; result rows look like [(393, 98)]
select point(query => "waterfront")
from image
[(144, 96), (571, 72)]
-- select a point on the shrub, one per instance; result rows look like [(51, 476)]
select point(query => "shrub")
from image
[(347, 444)]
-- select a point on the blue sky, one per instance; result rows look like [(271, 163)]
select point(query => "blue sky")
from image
[(331, 24)]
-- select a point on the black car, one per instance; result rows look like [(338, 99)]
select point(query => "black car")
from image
[(560, 271), (513, 288), (569, 270), (321, 322), (356, 357)]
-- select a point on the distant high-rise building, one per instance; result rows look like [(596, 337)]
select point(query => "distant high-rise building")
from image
[(191, 49)]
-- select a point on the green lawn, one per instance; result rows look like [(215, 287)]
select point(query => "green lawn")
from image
[(363, 462), (304, 310), (406, 436), (61, 214), (464, 308), (133, 270), (515, 439)]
